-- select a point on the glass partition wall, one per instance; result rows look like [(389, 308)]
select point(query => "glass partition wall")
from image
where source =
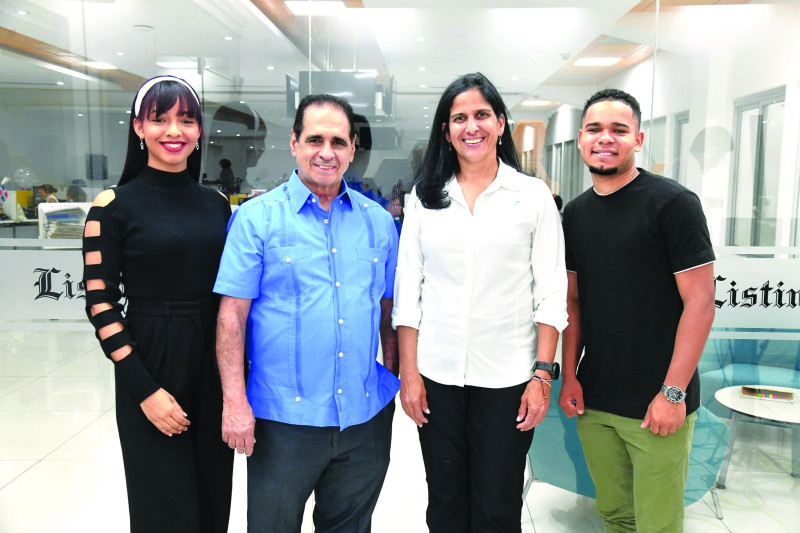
[(717, 82)]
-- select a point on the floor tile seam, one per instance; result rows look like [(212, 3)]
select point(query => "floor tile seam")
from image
[(62, 365), (19, 475), (714, 511), (35, 378), (51, 452)]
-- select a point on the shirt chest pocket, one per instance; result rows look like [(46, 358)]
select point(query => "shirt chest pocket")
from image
[(371, 268), (290, 269)]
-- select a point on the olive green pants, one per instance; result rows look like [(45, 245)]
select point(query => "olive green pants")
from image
[(639, 476)]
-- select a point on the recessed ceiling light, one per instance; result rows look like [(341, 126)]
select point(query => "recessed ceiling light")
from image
[(59, 83), (596, 61), (228, 38), (21, 12), (128, 111), (427, 127), (219, 131), (515, 78), (120, 53), (99, 65), (315, 8), (422, 86), (536, 103), (422, 68), (142, 27), (238, 134), (80, 114), (420, 39), (122, 122), (425, 107), (241, 101), (270, 67), (426, 116)]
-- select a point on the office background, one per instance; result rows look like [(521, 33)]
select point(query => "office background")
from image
[(719, 85)]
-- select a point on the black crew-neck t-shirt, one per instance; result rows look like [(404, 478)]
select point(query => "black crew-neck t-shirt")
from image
[(626, 248)]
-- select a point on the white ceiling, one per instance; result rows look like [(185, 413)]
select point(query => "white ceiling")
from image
[(517, 43)]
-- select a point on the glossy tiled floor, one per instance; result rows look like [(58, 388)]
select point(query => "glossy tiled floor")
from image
[(61, 468)]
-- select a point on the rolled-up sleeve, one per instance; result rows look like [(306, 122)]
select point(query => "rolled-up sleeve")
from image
[(549, 269), (408, 281)]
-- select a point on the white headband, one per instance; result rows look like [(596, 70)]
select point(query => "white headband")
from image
[(149, 85)]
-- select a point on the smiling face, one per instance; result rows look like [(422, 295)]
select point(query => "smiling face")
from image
[(610, 138), (324, 150), (473, 128), (170, 138)]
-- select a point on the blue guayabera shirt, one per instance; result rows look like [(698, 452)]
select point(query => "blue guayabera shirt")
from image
[(315, 279)]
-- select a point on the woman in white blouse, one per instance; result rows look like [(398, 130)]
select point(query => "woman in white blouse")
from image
[(480, 297)]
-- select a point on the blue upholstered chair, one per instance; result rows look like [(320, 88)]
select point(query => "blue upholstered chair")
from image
[(556, 455)]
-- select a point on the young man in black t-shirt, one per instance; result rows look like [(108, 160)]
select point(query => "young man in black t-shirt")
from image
[(641, 304)]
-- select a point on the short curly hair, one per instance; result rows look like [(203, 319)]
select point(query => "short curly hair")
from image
[(614, 95)]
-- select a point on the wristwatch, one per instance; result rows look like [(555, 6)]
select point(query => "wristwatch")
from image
[(673, 393), (553, 368)]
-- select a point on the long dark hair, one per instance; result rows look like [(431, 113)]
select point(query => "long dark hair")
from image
[(440, 162), (160, 98)]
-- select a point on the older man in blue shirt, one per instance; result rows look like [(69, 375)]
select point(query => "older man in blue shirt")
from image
[(306, 280)]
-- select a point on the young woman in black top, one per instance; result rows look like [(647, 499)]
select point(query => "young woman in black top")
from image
[(156, 240)]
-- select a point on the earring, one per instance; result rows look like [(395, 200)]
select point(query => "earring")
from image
[(500, 141), (449, 147), (197, 145), (141, 144)]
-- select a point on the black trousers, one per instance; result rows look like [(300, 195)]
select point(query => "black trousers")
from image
[(179, 483), (345, 469), (474, 458)]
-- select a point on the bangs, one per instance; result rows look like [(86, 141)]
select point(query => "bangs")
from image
[(162, 97)]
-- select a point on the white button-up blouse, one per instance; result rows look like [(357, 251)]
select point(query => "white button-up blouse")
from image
[(476, 284)]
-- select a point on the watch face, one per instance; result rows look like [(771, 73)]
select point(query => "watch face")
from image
[(673, 394)]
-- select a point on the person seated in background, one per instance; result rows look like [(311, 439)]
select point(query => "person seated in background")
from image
[(48, 193), (75, 194)]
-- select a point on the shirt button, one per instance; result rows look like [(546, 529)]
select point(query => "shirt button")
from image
[(283, 199), (367, 395), (308, 201), (333, 250), (326, 221), (339, 391), (313, 200), (365, 205), (338, 284), (288, 259), (340, 201), (341, 321), (341, 354), (297, 399), (375, 259)]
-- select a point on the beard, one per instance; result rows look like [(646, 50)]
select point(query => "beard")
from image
[(608, 171)]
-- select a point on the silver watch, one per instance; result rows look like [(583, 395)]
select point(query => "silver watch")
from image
[(674, 394)]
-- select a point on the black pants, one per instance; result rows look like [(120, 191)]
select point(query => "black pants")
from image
[(474, 458), (179, 483), (345, 469)]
